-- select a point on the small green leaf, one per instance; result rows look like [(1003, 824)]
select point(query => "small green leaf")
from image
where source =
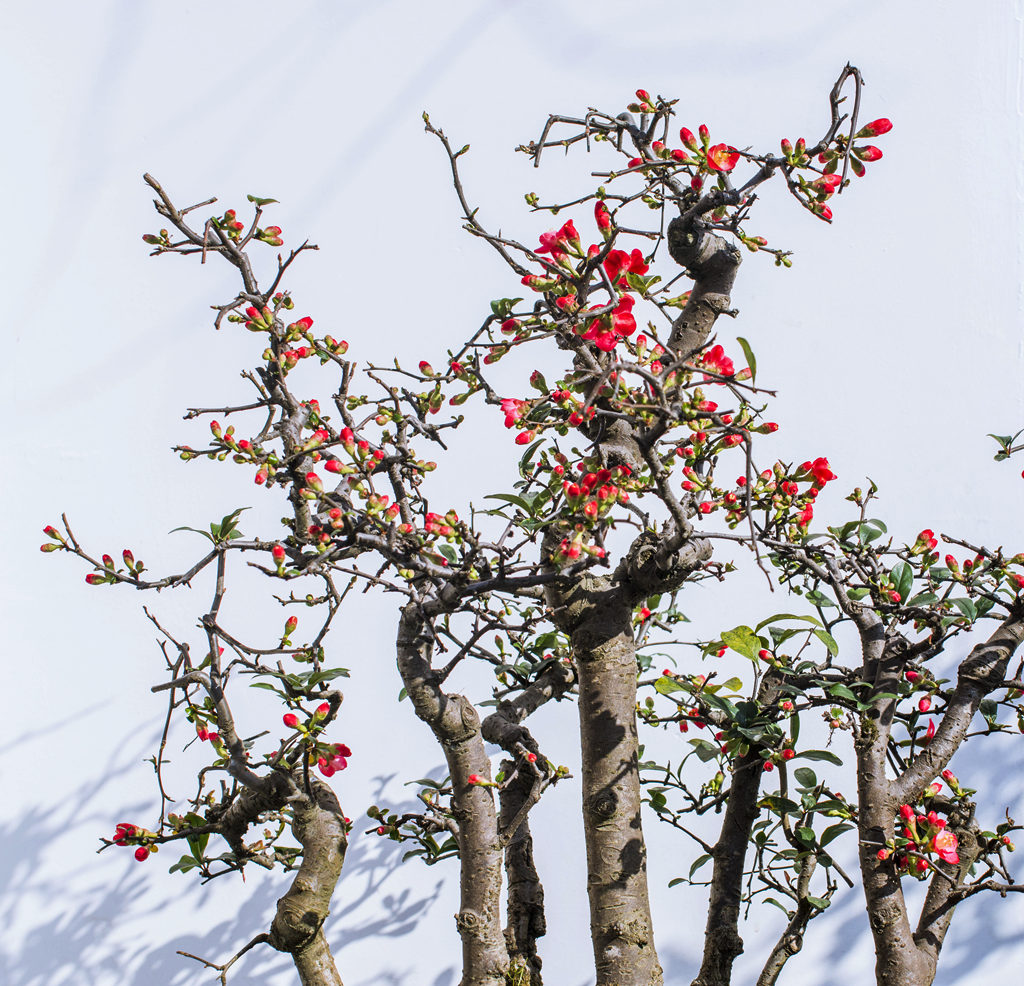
[(819, 902), (749, 354), (698, 863), (841, 691), (805, 777), (779, 617), (833, 831), (256, 200), (510, 498), (820, 755), (732, 685), (772, 900)]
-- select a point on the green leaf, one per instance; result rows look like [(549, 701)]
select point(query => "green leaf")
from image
[(184, 864), (511, 498), (749, 353), (805, 777), (666, 686), (841, 691), (820, 755), (194, 530), (256, 200), (772, 900), (742, 640), (805, 834), (819, 599), (197, 843), (778, 617), (698, 863), (902, 576), (819, 902), (828, 640), (525, 460), (923, 599), (732, 685), (449, 552), (705, 751), (503, 306), (833, 831), (966, 607)]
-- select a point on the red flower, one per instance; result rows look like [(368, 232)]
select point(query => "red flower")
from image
[(473, 779), (278, 553), (142, 854), (618, 262), (765, 655), (290, 719), (722, 157), (821, 471), (788, 754)]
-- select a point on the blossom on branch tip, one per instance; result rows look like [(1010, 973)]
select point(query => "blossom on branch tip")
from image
[(722, 157), (874, 129)]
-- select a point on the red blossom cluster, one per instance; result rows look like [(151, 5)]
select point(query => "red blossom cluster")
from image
[(921, 835)]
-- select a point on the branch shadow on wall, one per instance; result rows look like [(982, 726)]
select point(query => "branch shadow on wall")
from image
[(74, 919)]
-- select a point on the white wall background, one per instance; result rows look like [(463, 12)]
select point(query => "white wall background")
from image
[(894, 342)]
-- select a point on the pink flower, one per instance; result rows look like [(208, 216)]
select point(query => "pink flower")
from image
[(722, 157), (512, 408), (945, 845)]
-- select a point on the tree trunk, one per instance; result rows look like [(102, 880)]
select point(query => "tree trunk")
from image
[(597, 617)]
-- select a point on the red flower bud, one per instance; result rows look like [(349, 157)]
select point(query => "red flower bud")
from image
[(142, 854), (874, 129), (290, 719)]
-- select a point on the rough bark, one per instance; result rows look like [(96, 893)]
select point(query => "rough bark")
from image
[(712, 262), (525, 921), (318, 825), (456, 725), (897, 960), (525, 902), (597, 616)]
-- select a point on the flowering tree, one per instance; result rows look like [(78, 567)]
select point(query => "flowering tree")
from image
[(569, 579)]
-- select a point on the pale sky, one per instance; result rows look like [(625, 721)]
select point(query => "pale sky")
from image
[(894, 343)]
